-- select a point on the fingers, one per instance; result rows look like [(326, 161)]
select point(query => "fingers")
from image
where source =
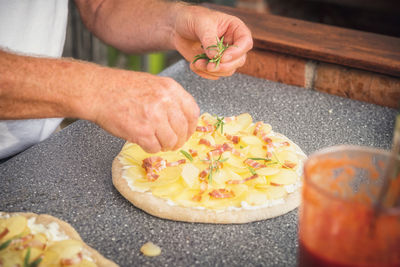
[(208, 37), (154, 112), (226, 67), (192, 112), (213, 72), (178, 123), (147, 141), (242, 43), (203, 74)]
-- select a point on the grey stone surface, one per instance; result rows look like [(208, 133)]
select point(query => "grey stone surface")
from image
[(69, 176)]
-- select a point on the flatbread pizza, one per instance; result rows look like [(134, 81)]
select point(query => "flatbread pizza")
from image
[(231, 170), (28, 239)]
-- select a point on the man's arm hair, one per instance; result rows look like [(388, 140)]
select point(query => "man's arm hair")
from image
[(131, 26), (37, 87)]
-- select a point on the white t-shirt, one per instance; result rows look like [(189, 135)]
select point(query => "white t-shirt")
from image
[(35, 28)]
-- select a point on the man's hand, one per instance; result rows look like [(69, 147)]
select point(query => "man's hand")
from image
[(153, 112), (140, 26), (196, 26)]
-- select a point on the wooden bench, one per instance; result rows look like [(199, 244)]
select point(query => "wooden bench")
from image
[(350, 63)]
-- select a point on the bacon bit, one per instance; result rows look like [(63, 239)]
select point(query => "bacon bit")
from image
[(176, 163), (254, 164), (203, 141), (205, 129), (72, 261), (221, 193), (152, 176), (221, 149), (266, 139), (4, 233), (229, 119), (203, 188), (285, 143), (289, 164), (38, 244), (257, 131), (226, 147), (257, 128), (32, 244), (216, 152), (19, 241), (242, 181), (269, 155), (197, 197), (234, 138), (193, 152), (237, 153), (153, 165), (148, 162), (204, 173)]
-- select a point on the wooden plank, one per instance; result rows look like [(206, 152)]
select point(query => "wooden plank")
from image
[(363, 50)]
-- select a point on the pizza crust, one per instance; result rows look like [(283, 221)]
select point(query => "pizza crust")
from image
[(159, 207), (67, 229)]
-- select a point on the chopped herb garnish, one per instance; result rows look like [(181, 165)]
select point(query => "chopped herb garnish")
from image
[(270, 162), (5, 244), (265, 159), (220, 124), (35, 263), (26, 259), (251, 170), (187, 155), (220, 47), (214, 166), (210, 174)]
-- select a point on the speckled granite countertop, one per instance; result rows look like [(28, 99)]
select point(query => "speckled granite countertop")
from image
[(69, 176)]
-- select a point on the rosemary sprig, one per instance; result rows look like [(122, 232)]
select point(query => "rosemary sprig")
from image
[(35, 263), (4, 245), (220, 47), (187, 155), (264, 159), (26, 259), (210, 171), (251, 170), (220, 124), (270, 162), (214, 166)]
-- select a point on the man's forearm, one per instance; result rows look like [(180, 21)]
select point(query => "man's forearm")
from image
[(131, 26), (33, 87)]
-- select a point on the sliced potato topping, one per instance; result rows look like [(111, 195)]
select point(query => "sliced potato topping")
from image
[(150, 249), (236, 161), (22, 246)]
